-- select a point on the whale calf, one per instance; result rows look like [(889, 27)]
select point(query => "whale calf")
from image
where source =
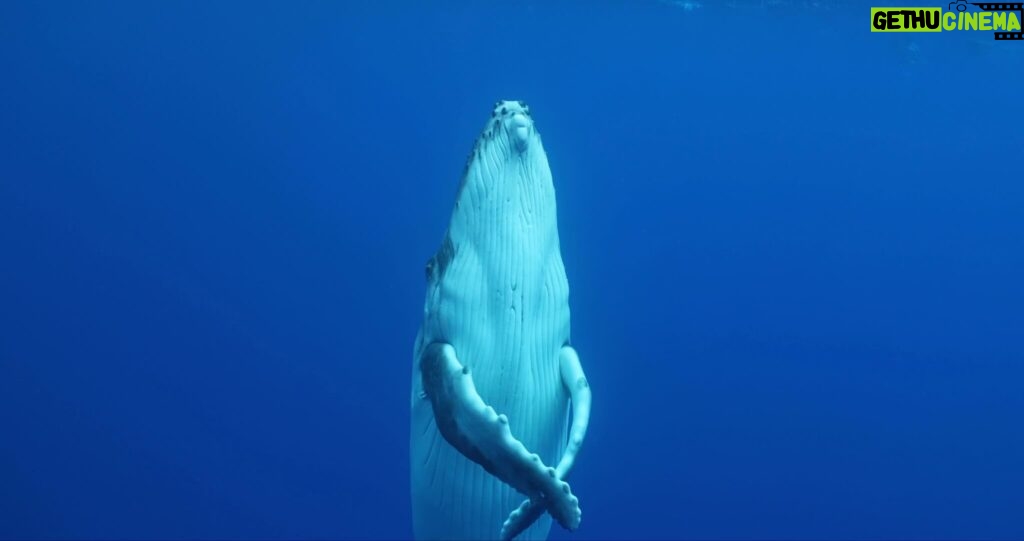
[(494, 374)]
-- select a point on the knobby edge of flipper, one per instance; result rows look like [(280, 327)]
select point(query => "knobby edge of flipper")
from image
[(579, 392), (483, 436)]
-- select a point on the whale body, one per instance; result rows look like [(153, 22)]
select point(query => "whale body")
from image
[(494, 374)]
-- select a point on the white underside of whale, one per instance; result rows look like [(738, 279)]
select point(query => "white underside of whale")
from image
[(493, 374)]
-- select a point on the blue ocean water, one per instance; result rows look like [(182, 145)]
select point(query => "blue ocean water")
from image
[(794, 247)]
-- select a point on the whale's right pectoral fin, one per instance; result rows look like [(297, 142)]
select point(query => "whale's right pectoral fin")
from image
[(579, 392), (483, 436)]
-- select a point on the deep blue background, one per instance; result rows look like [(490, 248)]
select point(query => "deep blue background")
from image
[(796, 275)]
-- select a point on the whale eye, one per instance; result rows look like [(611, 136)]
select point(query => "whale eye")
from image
[(504, 110)]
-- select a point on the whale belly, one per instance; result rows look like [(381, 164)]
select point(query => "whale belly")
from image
[(454, 498), (509, 335)]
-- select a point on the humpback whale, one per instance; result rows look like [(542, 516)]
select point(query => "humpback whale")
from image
[(494, 376)]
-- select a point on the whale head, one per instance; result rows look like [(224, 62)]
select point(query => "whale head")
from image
[(511, 127), (508, 156), (506, 187)]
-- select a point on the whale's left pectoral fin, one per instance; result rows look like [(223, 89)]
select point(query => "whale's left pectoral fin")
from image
[(483, 436), (575, 382)]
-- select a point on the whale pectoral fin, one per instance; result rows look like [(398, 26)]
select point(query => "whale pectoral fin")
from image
[(579, 392), (483, 436), (521, 518)]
